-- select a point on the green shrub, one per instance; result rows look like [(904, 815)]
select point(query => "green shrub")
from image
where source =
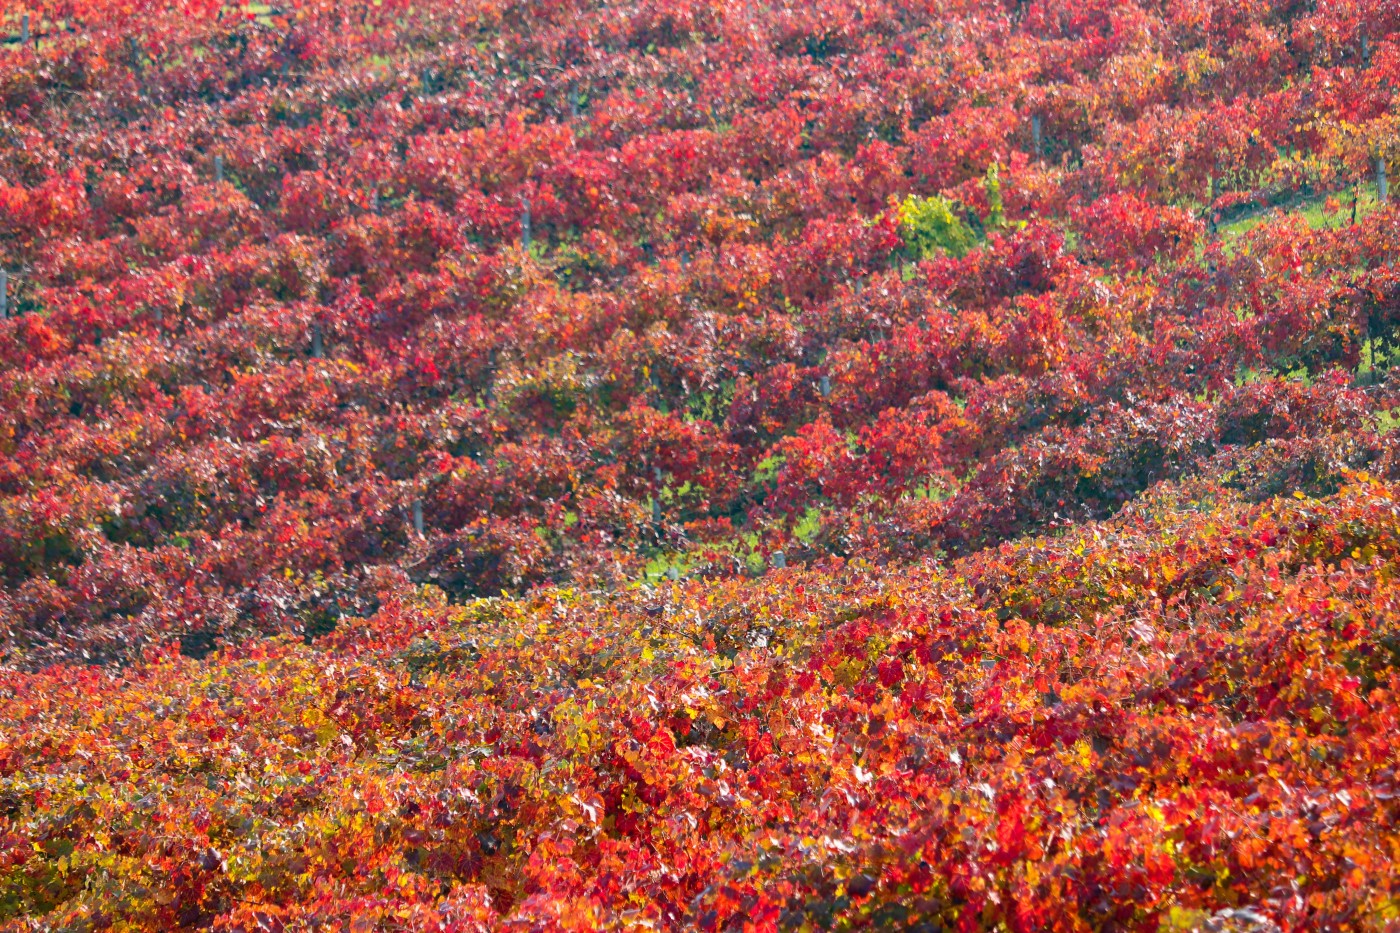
[(991, 184), (930, 227)]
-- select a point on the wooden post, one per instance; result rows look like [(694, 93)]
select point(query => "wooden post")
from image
[(525, 224), (1382, 184), (4, 294), (218, 169), (316, 349), (1210, 206), (1035, 136), (418, 517)]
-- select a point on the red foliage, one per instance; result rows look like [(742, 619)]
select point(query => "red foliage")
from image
[(405, 407)]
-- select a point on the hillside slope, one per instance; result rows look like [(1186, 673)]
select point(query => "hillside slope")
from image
[(565, 465)]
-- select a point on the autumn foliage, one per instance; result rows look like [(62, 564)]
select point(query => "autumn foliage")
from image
[(682, 464)]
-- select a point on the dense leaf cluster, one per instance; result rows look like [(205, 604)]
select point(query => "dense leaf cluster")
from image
[(1155, 721), (405, 406)]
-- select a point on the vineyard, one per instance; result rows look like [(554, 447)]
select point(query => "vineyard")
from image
[(739, 465)]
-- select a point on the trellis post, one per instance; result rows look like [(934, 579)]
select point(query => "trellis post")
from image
[(1210, 205)]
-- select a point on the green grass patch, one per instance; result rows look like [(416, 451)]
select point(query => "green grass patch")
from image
[(1313, 210)]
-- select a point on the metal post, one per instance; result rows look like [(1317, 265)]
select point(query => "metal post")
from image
[(418, 516), (4, 294), (525, 224), (1035, 135), (779, 560), (826, 386), (316, 350), (218, 169), (1382, 184), (24, 29), (656, 511)]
